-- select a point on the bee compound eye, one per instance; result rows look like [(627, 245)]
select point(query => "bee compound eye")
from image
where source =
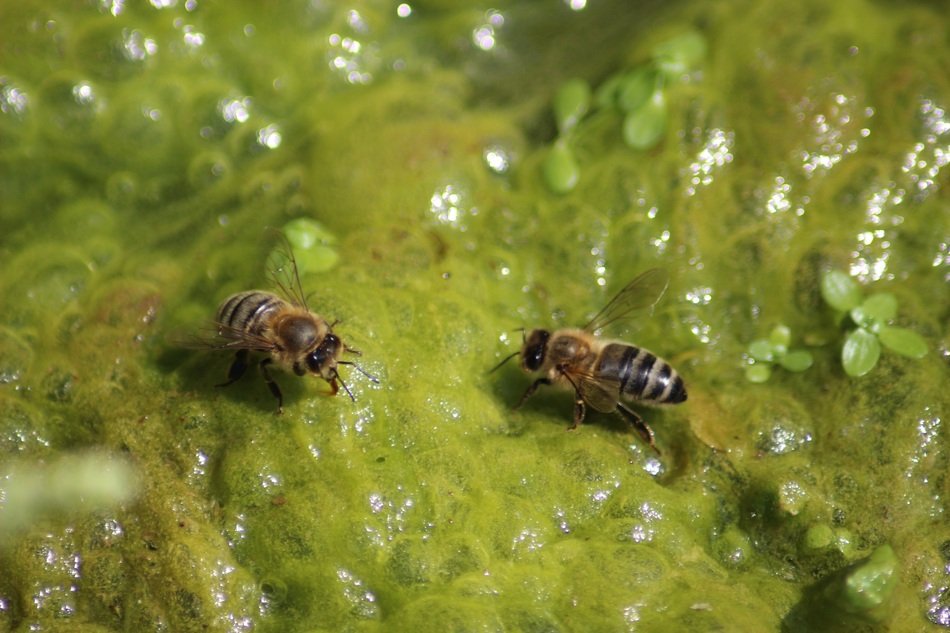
[(315, 361), (535, 350)]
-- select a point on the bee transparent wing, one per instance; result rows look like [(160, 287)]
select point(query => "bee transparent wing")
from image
[(284, 274), (643, 292), (224, 337), (601, 394)]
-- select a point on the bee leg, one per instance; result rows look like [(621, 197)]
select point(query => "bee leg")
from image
[(580, 411), (530, 390), (334, 386), (642, 428), (237, 369), (272, 385)]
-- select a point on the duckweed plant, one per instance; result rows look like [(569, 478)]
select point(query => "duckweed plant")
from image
[(149, 149), (872, 317), (764, 353), (639, 95)]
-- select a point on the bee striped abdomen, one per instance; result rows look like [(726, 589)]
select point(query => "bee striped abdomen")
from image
[(249, 311), (642, 375)]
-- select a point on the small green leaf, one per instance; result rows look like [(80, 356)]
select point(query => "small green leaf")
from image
[(761, 350), (796, 360), (780, 336), (560, 169), (903, 341), (644, 127), (758, 373), (818, 536), (881, 307), (636, 88), (680, 54), (606, 95), (860, 353), (861, 318), (304, 233), (872, 581), (313, 245), (571, 103), (840, 291)]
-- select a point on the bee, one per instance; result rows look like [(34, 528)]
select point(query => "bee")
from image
[(605, 374), (281, 326)]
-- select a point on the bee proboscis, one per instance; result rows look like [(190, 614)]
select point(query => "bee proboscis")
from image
[(281, 326), (604, 373)]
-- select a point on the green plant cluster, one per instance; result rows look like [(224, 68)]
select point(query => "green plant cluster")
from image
[(862, 346), (871, 317), (764, 353), (638, 94)]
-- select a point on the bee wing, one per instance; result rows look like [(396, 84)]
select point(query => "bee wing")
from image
[(224, 337), (643, 292), (284, 274), (598, 392)]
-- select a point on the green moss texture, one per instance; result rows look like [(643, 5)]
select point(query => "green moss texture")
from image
[(149, 149)]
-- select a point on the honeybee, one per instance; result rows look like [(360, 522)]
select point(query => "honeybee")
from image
[(283, 327), (604, 373)]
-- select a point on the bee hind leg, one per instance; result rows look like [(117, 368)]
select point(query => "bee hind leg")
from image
[(642, 428), (272, 384), (530, 390), (237, 369)]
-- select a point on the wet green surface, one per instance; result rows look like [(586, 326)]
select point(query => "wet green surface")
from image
[(144, 155)]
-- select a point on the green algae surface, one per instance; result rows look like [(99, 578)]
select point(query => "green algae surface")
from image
[(147, 152)]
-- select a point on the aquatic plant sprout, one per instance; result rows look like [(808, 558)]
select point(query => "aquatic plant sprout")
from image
[(862, 345), (763, 353), (638, 95), (313, 244)]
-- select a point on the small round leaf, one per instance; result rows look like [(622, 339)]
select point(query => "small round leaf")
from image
[(571, 103), (780, 336), (840, 291), (761, 350), (871, 582), (796, 360), (636, 88), (860, 353), (560, 169), (606, 95), (903, 341), (644, 127), (680, 54), (881, 307), (758, 373)]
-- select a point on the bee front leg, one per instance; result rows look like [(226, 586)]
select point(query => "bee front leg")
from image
[(580, 411), (237, 369), (274, 387), (641, 427), (530, 390)]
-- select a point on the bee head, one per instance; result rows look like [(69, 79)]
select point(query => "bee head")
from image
[(322, 360), (534, 350)]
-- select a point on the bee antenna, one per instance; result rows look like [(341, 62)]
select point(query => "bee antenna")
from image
[(520, 329), (503, 361), (359, 369), (336, 375)]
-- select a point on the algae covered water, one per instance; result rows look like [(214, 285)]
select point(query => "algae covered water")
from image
[(447, 174)]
